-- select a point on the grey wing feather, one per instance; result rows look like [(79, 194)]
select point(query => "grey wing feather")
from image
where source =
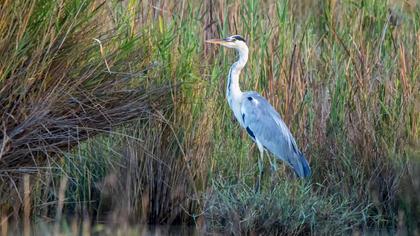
[(265, 125)]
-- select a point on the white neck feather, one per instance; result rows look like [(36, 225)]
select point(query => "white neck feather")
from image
[(233, 91)]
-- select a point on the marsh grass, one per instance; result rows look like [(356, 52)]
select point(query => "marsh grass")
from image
[(343, 75), (287, 208)]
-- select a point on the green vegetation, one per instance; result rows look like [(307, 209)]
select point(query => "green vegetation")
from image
[(134, 128)]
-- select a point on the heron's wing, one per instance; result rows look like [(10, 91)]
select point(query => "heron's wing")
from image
[(265, 125)]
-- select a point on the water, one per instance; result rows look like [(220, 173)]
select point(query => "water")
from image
[(45, 228)]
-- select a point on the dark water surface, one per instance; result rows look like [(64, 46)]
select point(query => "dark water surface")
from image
[(43, 228), (85, 228)]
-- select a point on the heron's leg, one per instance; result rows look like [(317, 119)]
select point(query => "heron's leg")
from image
[(273, 169), (260, 171), (273, 164)]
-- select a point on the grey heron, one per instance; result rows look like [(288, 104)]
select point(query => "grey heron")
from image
[(256, 115)]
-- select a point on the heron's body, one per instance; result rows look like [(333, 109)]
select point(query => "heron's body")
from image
[(255, 114)]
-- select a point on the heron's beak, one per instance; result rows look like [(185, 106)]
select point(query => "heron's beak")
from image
[(216, 41)]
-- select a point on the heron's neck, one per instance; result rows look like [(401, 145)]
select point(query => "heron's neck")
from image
[(233, 90)]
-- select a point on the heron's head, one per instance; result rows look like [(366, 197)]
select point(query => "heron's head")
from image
[(234, 41)]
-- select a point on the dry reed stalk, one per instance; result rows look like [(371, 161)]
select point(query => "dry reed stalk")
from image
[(61, 198), (75, 226), (4, 224), (26, 205), (86, 226)]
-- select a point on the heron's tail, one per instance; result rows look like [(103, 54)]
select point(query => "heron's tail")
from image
[(300, 166)]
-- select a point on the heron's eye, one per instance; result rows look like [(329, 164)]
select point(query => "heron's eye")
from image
[(239, 38)]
